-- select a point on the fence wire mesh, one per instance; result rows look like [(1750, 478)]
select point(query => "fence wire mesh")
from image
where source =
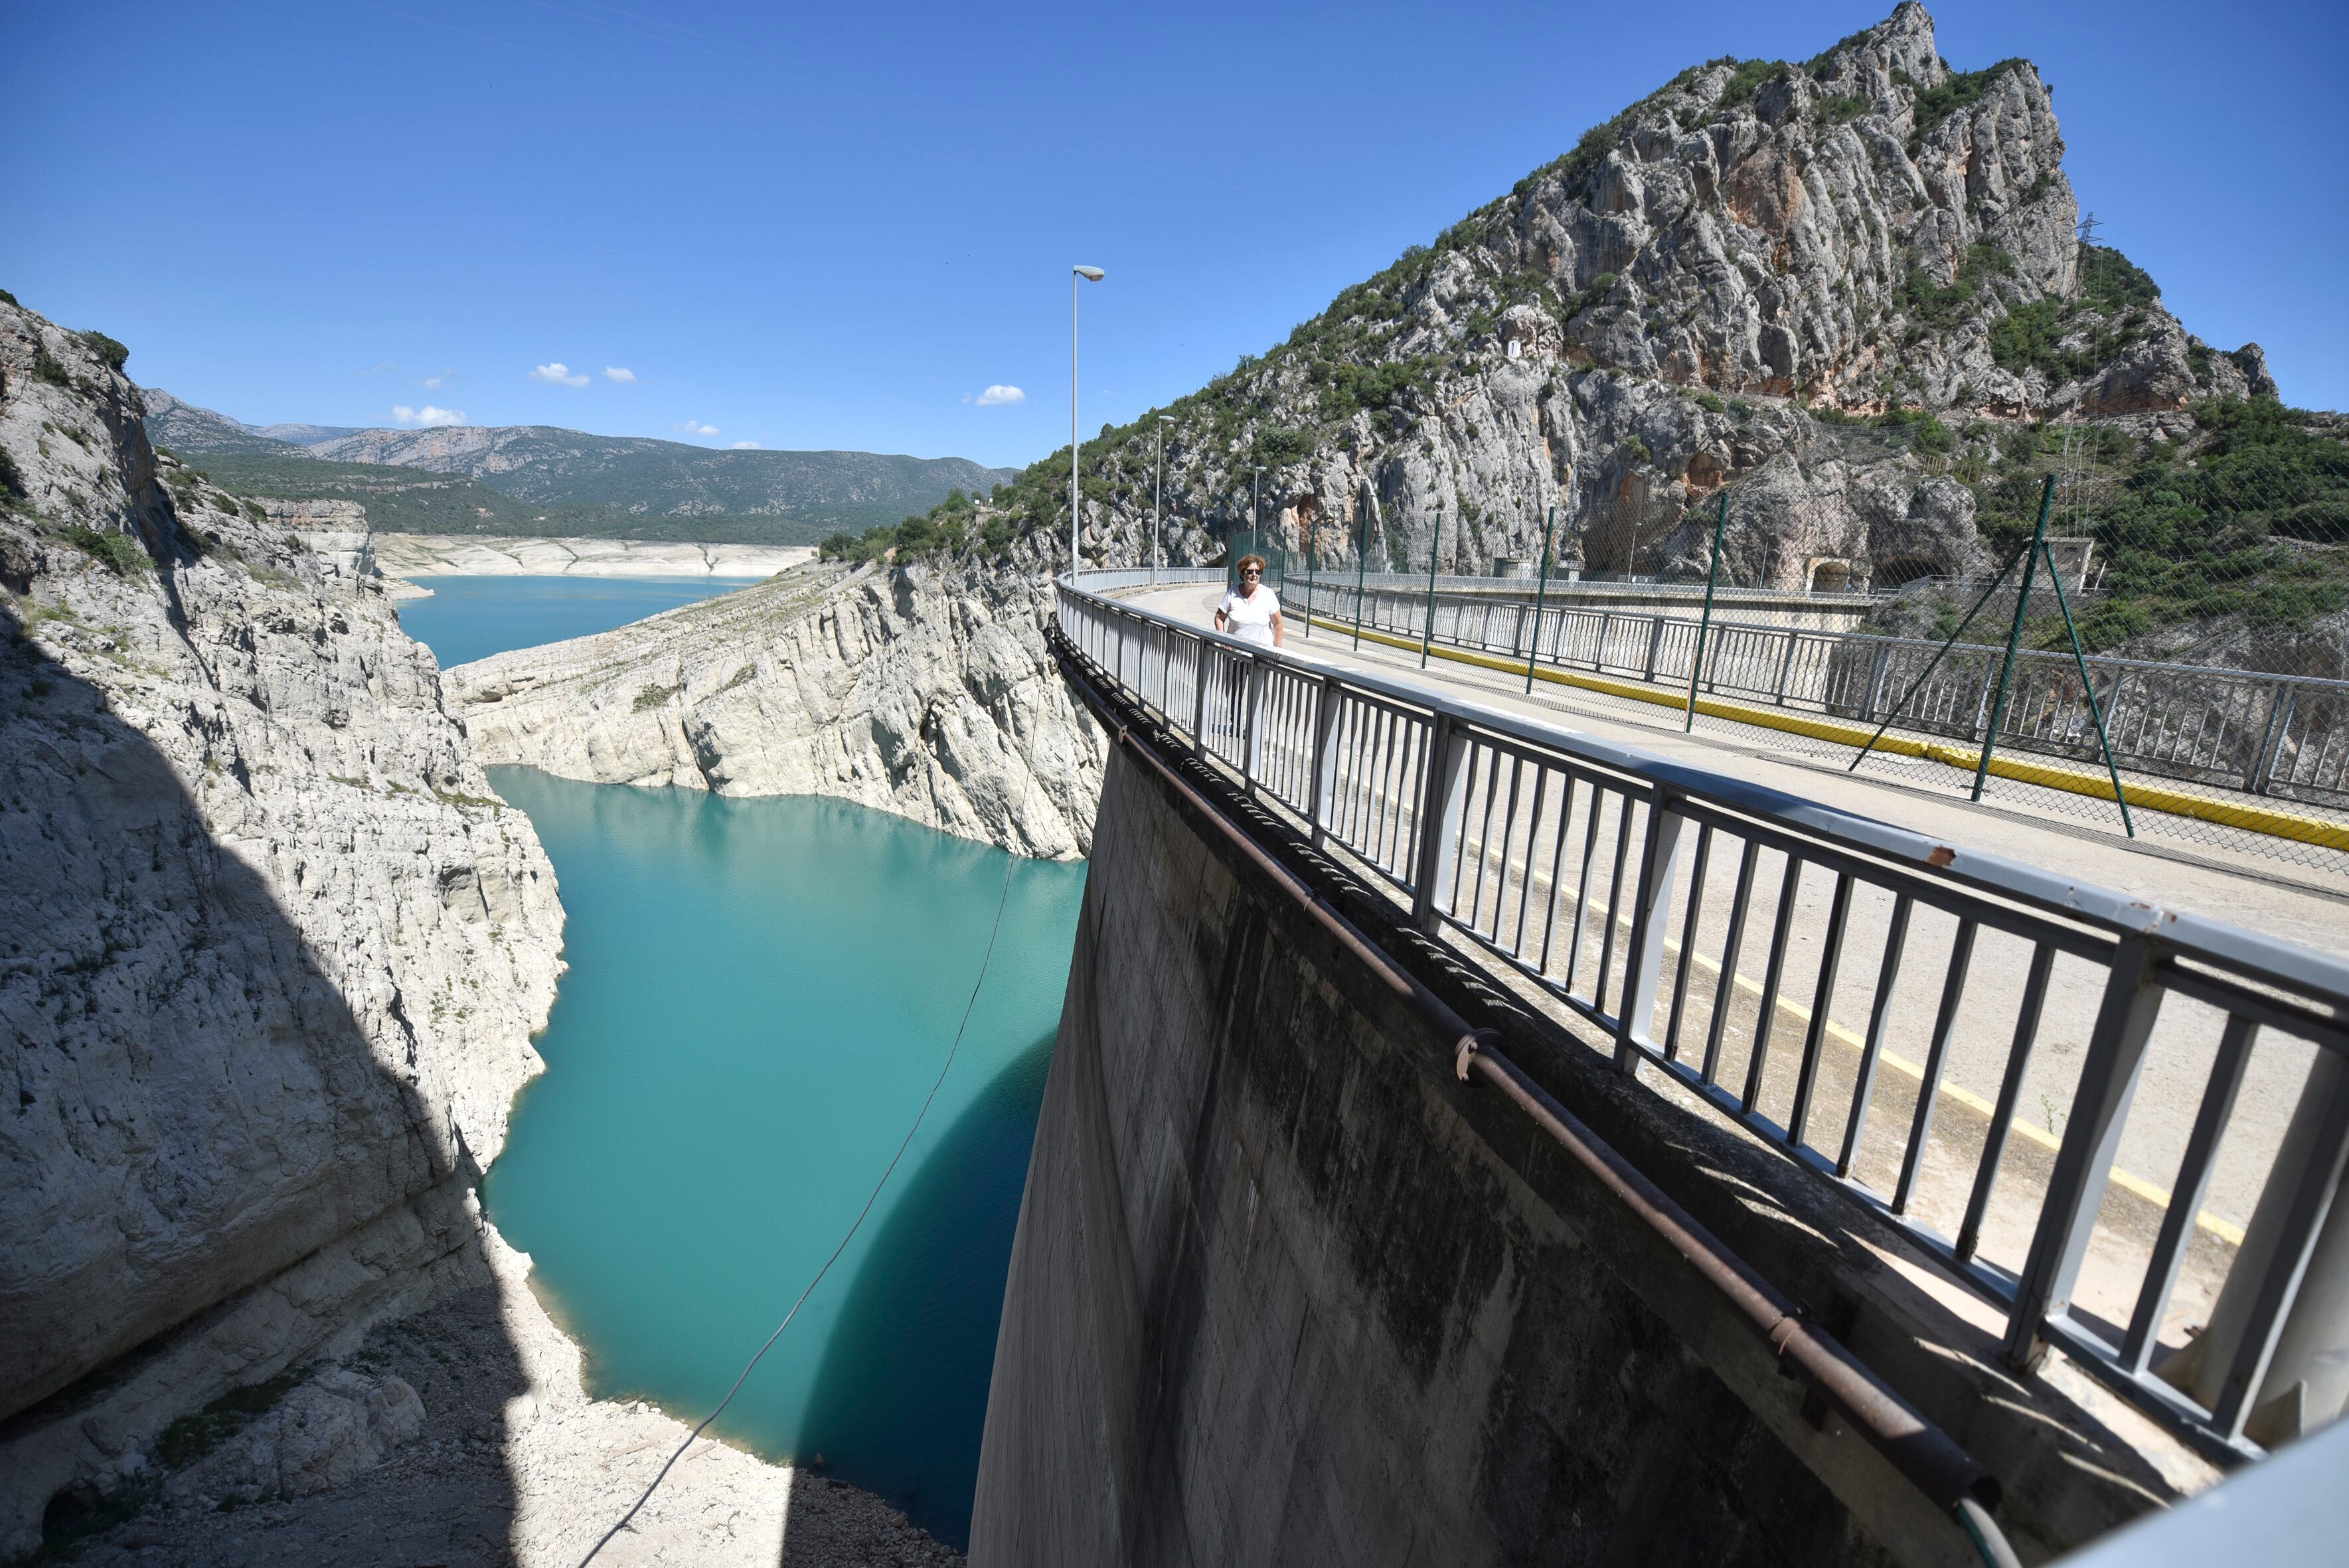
[(2179, 663)]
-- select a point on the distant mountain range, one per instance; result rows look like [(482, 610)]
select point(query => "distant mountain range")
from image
[(540, 480)]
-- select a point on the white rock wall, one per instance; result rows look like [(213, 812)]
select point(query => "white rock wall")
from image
[(929, 694), (272, 952)]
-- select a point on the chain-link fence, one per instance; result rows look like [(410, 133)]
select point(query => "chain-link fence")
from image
[(2142, 623), (2163, 644)]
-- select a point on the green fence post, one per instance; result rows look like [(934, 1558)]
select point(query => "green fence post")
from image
[(2088, 690), (2014, 635), (1427, 626), (1898, 708), (1541, 588), (1711, 576)]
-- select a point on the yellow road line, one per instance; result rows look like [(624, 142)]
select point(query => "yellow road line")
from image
[(2160, 1197), (2251, 818)]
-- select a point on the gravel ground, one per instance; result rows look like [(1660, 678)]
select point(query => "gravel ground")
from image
[(514, 1465)]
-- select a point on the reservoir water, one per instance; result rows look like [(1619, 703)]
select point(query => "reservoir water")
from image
[(760, 993), (469, 618)]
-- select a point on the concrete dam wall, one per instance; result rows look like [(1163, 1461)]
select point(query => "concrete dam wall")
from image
[(1284, 1290)]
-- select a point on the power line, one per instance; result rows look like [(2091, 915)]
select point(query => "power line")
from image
[(1003, 899)]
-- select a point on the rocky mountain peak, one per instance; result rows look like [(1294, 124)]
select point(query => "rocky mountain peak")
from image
[(1703, 291)]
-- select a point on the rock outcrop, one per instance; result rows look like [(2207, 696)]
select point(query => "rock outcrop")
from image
[(494, 1454), (1698, 295), (272, 951), (923, 692)]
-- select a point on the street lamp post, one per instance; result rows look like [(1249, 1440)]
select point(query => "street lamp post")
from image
[(1157, 489), (1090, 274)]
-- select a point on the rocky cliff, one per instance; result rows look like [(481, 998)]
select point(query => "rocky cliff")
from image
[(1705, 290), (923, 691), (272, 951)]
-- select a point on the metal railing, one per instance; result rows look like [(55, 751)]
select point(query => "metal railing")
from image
[(2269, 734), (1612, 586), (1916, 1000)]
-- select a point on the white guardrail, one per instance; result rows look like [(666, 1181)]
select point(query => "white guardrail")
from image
[(2035, 1078)]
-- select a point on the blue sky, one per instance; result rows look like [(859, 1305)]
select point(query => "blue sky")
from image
[(838, 226)]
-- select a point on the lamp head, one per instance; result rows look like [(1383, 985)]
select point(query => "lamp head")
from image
[(1091, 275)]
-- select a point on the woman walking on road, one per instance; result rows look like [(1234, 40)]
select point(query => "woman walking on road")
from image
[(1251, 612)]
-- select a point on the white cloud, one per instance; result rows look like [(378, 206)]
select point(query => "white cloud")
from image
[(695, 428), (558, 375), (996, 396), (616, 373), (432, 383), (428, 415), (746, 447)]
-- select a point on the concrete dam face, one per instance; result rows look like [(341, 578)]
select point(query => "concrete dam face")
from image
[(1286, 1289)]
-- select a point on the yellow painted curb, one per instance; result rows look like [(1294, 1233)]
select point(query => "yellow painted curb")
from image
[(2256, 819)]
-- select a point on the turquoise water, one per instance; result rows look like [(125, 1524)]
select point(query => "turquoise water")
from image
[(469, 618), (760, 992)]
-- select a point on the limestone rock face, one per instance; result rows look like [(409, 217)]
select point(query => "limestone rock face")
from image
[(1694, 295), (272, 951), (925, 693), (327, 1432)]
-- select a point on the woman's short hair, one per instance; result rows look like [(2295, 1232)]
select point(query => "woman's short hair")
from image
[(1247, 560)]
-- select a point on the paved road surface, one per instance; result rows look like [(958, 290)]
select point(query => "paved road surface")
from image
[(2245, 889)]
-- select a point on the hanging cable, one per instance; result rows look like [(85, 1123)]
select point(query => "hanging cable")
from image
[(1003, 899)]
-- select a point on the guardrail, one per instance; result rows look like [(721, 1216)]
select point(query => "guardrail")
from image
[(1587, 586), (2269, 735), (1560, 860)]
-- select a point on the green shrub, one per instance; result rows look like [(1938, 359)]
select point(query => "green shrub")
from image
[(1600, 287), (1962, 90), (1937, 306), (1278, 448), (1837, 112), (117, 552), (2111, 281), (1747, 80), (653, 697), (113, 352), (1708, 403), (12, 478), (1352, 388), (2028, 337), (49, 370), (9, 298)]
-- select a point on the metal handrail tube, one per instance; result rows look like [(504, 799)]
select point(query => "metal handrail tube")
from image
[(2116, 911), (1423, 788), (2100, 662), (1916, 1448), (2175, 727), (2122, 913)]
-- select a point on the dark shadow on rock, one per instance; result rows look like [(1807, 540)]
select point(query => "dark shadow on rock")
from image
[(900, 1398), (200, 1121)]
